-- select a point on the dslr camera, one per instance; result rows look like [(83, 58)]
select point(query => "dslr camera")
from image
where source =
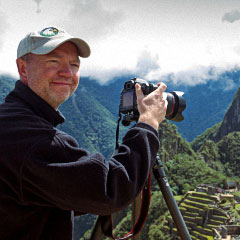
[(128, 101)]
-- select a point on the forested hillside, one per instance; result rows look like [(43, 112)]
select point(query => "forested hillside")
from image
[(89, 122)]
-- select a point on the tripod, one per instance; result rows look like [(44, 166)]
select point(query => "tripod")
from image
[(160, 176), (162, 180)]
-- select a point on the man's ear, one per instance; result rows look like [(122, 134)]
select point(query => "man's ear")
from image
[(22, 70)]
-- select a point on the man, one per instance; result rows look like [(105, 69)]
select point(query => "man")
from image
[(44, 175)]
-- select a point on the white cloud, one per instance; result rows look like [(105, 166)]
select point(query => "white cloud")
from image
[(230, 84), (105, 75), (91, 18), (193, 76), (232, 16), (3, 27), (147, 63)]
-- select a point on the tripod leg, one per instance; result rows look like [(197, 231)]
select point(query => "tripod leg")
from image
[(97, 233), (161, 178)]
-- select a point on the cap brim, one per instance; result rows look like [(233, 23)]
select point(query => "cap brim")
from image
[(83, 48)]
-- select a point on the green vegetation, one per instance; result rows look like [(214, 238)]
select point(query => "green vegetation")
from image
[(229, 148), (186, 172), (209, 134), (90, 123), (7, 84)]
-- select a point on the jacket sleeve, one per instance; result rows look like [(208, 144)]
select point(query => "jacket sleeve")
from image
[(58, 173)]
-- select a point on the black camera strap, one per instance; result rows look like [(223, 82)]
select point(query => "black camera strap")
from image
[(117, 131), (104, 224)]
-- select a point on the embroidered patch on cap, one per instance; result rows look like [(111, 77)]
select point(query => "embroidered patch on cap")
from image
[(49, 32)]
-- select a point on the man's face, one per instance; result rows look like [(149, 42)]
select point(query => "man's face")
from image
[(54, 76)]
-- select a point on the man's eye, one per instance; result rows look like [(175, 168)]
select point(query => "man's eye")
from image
[(52, 60), (75, 65)]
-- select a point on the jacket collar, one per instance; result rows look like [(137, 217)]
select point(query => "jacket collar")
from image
[(36, 103)]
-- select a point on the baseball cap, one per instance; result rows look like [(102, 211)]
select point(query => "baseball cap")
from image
[(46, 40)]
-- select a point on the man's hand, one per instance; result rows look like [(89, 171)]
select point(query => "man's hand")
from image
[(152, 107)]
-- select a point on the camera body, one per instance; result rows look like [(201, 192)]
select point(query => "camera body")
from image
[(128, 101)]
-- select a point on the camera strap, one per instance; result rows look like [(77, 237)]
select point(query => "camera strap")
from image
[(104, 225)]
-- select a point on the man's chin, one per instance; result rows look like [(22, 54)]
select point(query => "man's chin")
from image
[(58, 100)]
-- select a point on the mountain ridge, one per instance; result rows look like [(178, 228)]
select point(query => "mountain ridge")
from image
[(231, 120)]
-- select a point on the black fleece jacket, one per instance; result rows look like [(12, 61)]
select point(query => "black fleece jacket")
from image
[(45, 176)]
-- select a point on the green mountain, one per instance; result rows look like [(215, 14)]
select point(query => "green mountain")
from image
[(231, 120), (89, 122), (222, 142), (6, 84)]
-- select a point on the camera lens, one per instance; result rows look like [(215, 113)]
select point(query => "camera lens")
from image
[(176, 105)]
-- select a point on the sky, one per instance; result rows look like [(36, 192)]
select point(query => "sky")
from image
[(179, 40)]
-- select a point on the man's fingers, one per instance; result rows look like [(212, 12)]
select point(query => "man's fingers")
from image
[(139, 92), (161, 88), (159, 94)]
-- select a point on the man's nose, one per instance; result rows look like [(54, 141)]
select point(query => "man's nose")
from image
[(66, 71)]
